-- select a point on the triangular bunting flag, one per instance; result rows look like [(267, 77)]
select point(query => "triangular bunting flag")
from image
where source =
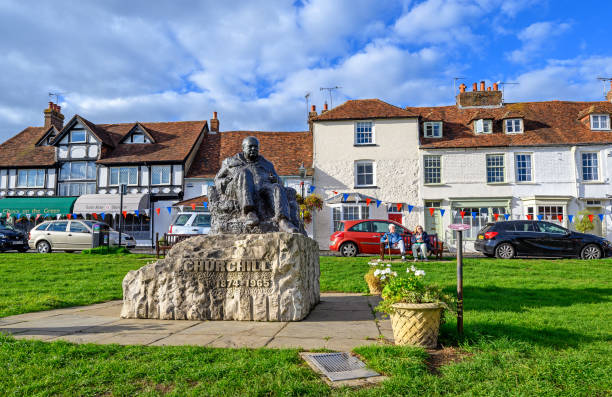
[(410, 208), (59, 216), (591, 218), (311, 189), (540, 216), (137, 213), (18, 215), (368, 201), (570, 218), (74, 216), (431, 211), (205, 204), (124, 214), (37, 216), (601, 216), (357, 198), (146, 211), (462, 213), (474, 213), (560, 218), (334, 192), (94, 215), (169, 210), (157, 210), (193, 205), (344, 196), (399, 206), (29, 216), (102, 215), (378, 202), (69, 216), (529, 216), (442, 211), (506, 216), (496, 216)]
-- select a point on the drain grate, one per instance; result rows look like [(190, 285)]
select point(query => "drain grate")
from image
[(339, 366)]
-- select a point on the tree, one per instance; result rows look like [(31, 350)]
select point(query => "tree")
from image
[(308, 205), (584, 225)]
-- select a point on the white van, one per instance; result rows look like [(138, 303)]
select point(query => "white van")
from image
[(190, 223)]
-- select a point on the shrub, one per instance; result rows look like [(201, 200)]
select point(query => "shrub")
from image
[(104, 250)]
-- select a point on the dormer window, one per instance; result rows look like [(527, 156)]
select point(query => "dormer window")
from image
[(600, 121), (432, 129), (78, 135), (483, 126), (514, 126), (137, 138)]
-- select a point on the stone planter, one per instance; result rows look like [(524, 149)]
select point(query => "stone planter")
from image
[(416, 323), (373, 284)]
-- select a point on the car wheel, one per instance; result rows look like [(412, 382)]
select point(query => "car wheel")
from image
[(348, 249), (504, 251), (43, 247), (590, 251)]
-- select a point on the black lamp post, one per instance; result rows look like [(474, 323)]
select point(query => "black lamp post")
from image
[(122, 191)]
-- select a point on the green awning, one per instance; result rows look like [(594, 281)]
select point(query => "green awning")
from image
[(37, 205)]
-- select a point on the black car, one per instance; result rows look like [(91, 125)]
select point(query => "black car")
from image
[(11, 239), (537, 238)]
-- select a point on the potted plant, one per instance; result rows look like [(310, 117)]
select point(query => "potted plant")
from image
[(416, 309), (378, 275)]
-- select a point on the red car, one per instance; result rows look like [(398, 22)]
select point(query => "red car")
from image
[(363, 236)]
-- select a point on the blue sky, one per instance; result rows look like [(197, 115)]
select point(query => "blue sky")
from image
[(253, 62)]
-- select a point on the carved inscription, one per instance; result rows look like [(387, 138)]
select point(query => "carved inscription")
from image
[(251, 274)]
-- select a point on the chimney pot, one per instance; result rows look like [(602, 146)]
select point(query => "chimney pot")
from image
[(313, 108), (488, 88), (325, 106), (475, 87), (214, 115), (495, 87), (214, 123), (482, 85), (54, 117), (462, 88)]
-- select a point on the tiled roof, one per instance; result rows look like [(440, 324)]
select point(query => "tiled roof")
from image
[(21, 150), (173, 142), (545, 124), (364, 109), (195, 200), (286, 150)]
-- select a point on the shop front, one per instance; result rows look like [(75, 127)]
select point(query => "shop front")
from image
[(23, 213)]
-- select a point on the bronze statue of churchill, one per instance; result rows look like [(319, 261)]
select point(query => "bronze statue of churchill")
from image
[(248, 189)]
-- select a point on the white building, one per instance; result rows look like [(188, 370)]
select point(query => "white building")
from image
[(365, 149)]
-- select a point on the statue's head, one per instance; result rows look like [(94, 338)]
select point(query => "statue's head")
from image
[(250, 148)]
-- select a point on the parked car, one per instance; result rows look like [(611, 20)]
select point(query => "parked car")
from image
[(71, 235), (363, 236), (11, 239), (538, 238), (190, 223)]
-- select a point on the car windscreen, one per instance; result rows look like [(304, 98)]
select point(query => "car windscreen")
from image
[(181, 220), (485, 229)]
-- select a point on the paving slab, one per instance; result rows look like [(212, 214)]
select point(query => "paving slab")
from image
[(340, 322)]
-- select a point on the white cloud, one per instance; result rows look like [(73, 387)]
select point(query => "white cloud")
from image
[(534, 38)]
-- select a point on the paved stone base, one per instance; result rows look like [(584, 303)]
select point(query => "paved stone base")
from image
[(339, 322)]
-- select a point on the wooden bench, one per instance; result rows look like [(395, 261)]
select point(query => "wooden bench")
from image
[(168, 241), (436, 247)]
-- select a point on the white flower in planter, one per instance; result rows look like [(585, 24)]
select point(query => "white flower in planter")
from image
[(419, 273)]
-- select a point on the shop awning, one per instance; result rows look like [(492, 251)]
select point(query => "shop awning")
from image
[(90, 203), (350, 198), (37, 205)]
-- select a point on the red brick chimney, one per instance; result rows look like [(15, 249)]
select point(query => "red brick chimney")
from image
[(609, 96), (311, 115), (482, 86), (483, 98), (325, 109), (54, 116), (214, 123)]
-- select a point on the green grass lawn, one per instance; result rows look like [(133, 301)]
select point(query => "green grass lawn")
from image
[(532, 327)]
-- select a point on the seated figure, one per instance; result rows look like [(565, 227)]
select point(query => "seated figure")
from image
[(248, 196), (395, 240)]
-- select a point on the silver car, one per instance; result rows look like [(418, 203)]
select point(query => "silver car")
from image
[(71, 235)]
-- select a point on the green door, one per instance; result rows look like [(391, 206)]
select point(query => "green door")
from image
[(433, 224)]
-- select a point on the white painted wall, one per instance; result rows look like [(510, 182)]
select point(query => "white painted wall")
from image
[(178, 174), (51, 177), (102, 176), (397, 167), (12, 178), (3, 179)]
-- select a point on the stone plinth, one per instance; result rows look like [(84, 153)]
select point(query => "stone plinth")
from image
[(260, 277)]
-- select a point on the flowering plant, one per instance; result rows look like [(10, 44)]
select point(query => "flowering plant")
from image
[(412, 289), (379, 274)]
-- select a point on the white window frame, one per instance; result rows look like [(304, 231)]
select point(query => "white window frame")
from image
[(361, 162), (62, 178), (516, 167), (600, 117), (27, 181), (425, 169), (512, 121), (168, 167), (503, 157), (79, 130), (364, 212), (598, 169), (432, 125), (480, 124), (110, 178), (372, 135)]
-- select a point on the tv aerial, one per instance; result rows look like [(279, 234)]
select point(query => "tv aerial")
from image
[(330, 90)]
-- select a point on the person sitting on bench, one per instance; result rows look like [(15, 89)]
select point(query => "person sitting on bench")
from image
[(419, 240), (394, 240)]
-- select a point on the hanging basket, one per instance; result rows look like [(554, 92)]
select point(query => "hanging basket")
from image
[(374, 284), (416, 324)]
